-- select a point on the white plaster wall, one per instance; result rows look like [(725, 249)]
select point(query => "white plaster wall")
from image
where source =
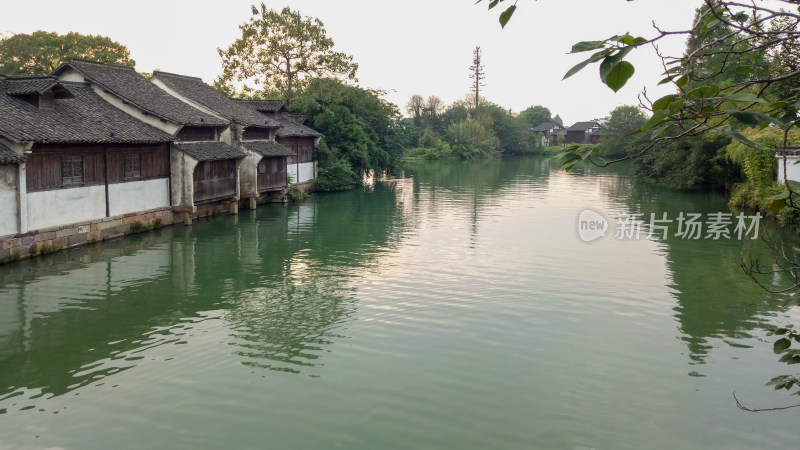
[(306, 172), (9, 204), (181, 168), (792, 169), (248, 173), (65, 206), (137, 196)]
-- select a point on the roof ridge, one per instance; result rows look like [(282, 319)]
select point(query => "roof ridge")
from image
[(30, 77), (172, 74), (98, 63)]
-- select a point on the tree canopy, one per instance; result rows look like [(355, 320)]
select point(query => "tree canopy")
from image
[(41, 52), (359, 127), (279, 53)]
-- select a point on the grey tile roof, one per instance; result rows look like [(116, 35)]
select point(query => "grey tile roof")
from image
[(583, 126), (290, 128), (545, 126), (197, 91), (30, 85), (7, 156), (83, 118), (267, 148), (210, 151), (265, 105), (132, 87)]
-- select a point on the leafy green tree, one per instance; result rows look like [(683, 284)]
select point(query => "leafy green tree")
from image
[(40, 52), (360, 128), (458, 111), (536, 115), (509, 131), (686, 162), (618, 139), (415, 107), (472, 139), (279, 53)]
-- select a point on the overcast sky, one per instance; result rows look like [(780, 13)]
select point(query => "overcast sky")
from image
[(403, 47)]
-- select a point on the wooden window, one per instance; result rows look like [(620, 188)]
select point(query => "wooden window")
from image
[(306, 154), (133, 166), (251, 133), (189, 133), (71, 170)]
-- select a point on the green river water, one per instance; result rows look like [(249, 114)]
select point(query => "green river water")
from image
[(454, 307)]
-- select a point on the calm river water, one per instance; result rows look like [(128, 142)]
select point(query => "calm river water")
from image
[(455, 307)]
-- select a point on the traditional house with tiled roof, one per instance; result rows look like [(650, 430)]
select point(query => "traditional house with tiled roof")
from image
[(68, 157), (580, 132), (549, 132), (263, 172), (294, 135), (204, 182)]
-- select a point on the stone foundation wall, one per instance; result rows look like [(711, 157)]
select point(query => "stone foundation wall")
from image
[(49, 240)]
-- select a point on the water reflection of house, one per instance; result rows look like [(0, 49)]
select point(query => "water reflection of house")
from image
[(69, 157), (294, 135)]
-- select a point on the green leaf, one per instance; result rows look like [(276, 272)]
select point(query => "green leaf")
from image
[(745, 97), (655, 119), (585, 46), (619, 75), (633, 41), (781, 345), (594, 58), (493, 3), (754, 118), (735, 135), (681, 82), (611, 61), (782, 331), (703, 91), (745, 69), (781, 196), (663, 102), (505, 16), (662, 130), (794, 185)]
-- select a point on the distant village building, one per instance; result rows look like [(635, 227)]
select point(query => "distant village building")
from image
[(581, 133), (549, 132), (297, 137)]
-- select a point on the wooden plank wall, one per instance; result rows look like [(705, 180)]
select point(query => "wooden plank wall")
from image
[(44, 165), (271, 173), (215, 179)]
